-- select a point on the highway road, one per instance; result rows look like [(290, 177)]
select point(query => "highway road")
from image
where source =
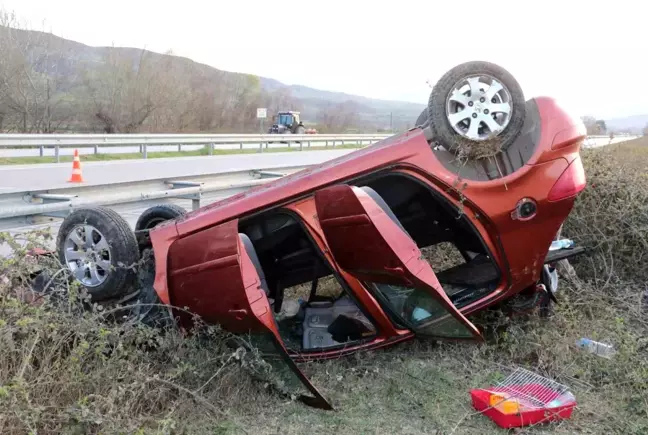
[(21, 178)]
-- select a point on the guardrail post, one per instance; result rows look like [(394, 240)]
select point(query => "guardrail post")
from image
[(326, 144), (96, 149), (210, 149), (141, 149), (333, 144), (241, 145), (260, 147), (57, 154), (301, 146), (144, 151), (179, 148), (41, 150)]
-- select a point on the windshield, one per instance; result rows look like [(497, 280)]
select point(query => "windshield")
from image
[(419, 310), (285, 119)]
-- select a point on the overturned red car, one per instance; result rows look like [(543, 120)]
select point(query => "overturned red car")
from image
[(404, 238)]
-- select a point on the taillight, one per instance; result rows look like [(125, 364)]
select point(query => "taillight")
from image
[(570, 183)]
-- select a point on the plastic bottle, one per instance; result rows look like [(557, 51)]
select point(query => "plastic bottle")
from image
[(597, 348), (561, 244)]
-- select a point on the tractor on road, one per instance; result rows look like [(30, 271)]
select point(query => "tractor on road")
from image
[(288, 123)]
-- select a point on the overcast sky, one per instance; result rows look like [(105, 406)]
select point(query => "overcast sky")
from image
[(591, 55)]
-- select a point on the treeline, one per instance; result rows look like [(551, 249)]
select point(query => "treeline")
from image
[(48, 85)]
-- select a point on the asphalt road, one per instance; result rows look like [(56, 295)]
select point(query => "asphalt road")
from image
[(21, 178)]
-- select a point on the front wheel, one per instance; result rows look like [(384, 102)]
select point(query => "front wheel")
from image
[(99, 249), (477, 106)]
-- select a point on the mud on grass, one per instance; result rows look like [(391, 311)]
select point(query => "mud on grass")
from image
[(56, 375)]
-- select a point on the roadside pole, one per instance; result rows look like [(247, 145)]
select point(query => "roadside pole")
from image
[(262, 112)]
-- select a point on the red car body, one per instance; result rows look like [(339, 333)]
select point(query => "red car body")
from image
[(204, 260)]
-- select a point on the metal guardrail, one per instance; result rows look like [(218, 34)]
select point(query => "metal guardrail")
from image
[(34, 208), (211, 141)]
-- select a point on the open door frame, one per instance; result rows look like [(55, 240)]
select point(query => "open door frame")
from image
[(367, 241), (213, 276)]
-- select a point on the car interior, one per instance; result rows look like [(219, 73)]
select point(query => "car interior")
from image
[(313, 309), (452, 246)]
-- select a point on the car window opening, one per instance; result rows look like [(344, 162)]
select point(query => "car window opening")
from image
[(419, 310), (451, 245), (311, 307)]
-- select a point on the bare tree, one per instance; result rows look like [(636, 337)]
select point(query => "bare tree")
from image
[(35, 84), (594, 126), (44, 88), (337, 118), (126, 89)]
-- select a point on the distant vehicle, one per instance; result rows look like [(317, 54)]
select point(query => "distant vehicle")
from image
[(329, 260), (289, 123)]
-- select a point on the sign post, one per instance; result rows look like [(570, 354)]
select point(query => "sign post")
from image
[(262, 113)]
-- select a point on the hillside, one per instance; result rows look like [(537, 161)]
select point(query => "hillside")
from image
[(74, 77), (631, 124), (51, 84)]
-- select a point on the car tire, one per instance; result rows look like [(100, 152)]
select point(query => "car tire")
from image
[(153, 216), (439, 108), (100, 251)]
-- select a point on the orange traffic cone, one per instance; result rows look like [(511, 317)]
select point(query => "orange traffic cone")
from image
[(76, 169)]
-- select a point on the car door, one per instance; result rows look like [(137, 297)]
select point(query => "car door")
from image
[(215, 274), (368, 242)]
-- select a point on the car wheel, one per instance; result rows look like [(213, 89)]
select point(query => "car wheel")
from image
[(100, 251), (154, 216), (477, 103)]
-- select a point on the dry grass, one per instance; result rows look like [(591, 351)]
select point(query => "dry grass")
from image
[(167, 154), (69, 370)]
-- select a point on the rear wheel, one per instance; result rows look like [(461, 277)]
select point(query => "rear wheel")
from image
[(477, 105), (100, 250), (154, 216)]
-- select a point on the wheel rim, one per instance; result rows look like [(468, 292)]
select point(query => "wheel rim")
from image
[(87, 255), (479, 107)]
